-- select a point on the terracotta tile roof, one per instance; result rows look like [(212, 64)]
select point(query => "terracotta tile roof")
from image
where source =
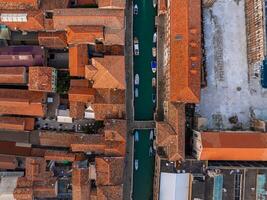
[(84, 34), (80, 184), (171, 134), (109, 104), (77, 109), (45, 188), (42, 79), (112, 49), (22, 102), (37, 183), (27, 189), (78, 58), (62, 139), (16, 123), (63, 156), (109, 96), (8, 162), (108, 111), (112, 18), (10, 148), (35, 20), (13, 75), (80, 92), (244, 145), (54, 4), (114, 36), (23, 193), (110, 192), (111, 142), (109, 170), (34, 167), (107, 72), (55, 40), (19, 4), (95, 148), (115, 130), (185, 60), (111, 4)]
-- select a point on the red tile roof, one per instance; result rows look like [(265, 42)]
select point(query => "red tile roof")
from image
[(16, 123), (185, 59), (84, 34), (63, 156), (35, 20), (37, 180), (13, 75), (109, 170), (111, 142), (10, 148), (80, 184), (8, 162), (110, 192), (110, 18), (107, 72), (78, 58), (22, 102), (80, 92), (54, 4), (111, 4), (109, 104), (77, 109), (19, 4), (246, 146), (55, 40), (171, 134), (34, 167), (42, 79)]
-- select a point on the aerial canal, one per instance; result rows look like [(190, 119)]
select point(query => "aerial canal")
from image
[(144, 29), (144, 97)]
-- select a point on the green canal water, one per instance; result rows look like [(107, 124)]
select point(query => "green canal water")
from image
[(144, 28), (143, 176)]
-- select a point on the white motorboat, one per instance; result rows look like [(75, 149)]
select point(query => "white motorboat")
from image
[(136, 93), (151, 135), (154, 52), (153, 82), (136, 79), (155, 37), (154, 3), (135, 9), (136, 136), (136, 164), (136, 46)]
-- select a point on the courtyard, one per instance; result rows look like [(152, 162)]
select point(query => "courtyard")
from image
[(231, 97)]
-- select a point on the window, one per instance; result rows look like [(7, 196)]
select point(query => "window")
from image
[(14, 17)]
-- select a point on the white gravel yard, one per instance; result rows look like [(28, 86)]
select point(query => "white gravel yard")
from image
[(228, 92)]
